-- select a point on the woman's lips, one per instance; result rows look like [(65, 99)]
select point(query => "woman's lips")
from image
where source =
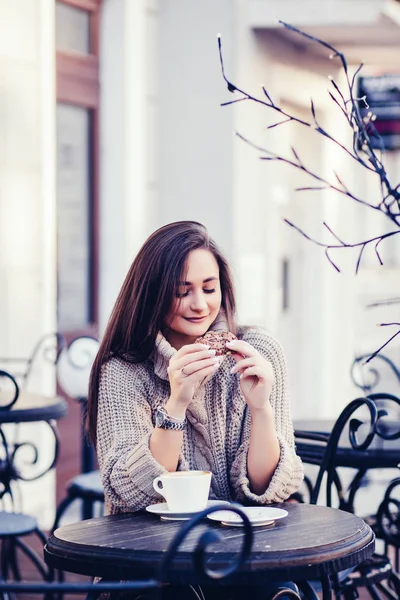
[(196, 319)]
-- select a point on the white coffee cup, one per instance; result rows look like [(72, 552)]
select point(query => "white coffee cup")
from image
[(184, 491)]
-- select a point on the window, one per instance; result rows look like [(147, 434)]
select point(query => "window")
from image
[(77, 30)]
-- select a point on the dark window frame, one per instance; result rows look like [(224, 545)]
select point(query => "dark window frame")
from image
[(77, 84)]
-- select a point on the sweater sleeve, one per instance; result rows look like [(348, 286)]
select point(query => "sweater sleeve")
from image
[(288, 474), (124, 427)]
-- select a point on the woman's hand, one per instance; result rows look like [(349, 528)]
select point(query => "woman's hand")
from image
[(256, 374), (186, 370)]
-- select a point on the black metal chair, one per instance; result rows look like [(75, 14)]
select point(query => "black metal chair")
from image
[(208, 536), (14, 525), (46, 351), (85, 487), (386, 524), (381, 374), (375, 575), (73, 370)]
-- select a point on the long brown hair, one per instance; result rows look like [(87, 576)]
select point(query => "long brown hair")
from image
[(145, 298)]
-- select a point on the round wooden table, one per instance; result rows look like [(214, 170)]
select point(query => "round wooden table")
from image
[(312, 542), (33, 407)]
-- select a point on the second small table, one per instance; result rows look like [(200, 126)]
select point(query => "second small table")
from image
[(28, 408), (33, 407), (380, 454)]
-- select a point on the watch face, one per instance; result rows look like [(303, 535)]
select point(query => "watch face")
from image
[(160, 417)]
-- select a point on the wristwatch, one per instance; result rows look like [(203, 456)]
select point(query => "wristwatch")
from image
[(165, 421)]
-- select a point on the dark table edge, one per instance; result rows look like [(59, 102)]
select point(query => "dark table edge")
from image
[(118, 566), (55, 411)]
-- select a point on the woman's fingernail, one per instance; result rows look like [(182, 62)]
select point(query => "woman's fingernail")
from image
[(217, 360), (231, 343), (233, 370), (212, 352), (205, 346), (216, 364)]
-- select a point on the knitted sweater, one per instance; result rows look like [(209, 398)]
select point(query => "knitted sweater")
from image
[(216, 437)]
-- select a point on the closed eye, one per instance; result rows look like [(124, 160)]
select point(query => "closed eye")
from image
[(184, 294)]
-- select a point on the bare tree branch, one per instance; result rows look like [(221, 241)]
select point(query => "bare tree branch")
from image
[(384, 302), (386, 343), (361, 125)]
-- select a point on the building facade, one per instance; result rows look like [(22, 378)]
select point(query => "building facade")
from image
[(111, 125)]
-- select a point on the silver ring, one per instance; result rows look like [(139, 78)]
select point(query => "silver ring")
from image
[(184, 372)]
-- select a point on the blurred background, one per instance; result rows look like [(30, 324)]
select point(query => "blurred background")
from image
[(111, 126)]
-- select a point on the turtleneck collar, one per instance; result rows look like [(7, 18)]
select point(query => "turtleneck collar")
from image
[(163, 351)]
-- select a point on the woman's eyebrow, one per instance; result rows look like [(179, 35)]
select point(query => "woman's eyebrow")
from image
[(204, 281)]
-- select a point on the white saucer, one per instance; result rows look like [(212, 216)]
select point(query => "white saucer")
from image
[(163, 511), (259, 516)]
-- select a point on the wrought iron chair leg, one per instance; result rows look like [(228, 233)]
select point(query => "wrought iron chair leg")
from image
[(4, 558), (387, 592), (394, 583), (349, 594), (13, 559), (41, 536), (46, 574), (307, 590), (64, 504), (373, 592), (326, 587), (396, 580)]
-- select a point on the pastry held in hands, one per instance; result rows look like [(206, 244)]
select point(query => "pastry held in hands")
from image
[(217, 340)]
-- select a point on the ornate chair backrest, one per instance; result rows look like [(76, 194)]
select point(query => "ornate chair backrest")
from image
[(381, 374), (209, 536), (45, 353), (74, 365), (388, 516), (361, 433), (73, 372), (9, 390)]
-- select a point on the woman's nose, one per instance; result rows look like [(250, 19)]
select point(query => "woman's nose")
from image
[(198, 301)]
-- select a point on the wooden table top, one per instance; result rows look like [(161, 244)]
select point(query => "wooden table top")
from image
[(32, 407), (311, 541)]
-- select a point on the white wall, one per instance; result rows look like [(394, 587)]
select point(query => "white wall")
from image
[(266, 13), (166, 149), (27, 197), (128, 78), (194, 134), (27, 234)]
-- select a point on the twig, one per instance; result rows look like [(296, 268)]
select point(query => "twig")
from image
[(361, 124)]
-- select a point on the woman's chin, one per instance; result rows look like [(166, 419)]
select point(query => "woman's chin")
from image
[(196, 329)]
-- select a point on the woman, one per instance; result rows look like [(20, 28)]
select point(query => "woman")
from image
[(233, 415)]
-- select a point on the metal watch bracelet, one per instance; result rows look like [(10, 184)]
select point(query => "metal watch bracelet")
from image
[(166, 421)]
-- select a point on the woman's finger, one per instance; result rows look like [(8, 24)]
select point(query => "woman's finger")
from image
[(206, 368), (189, 349), (241, 347), (254, 371), (243, 363), (194, 368), (186, 359)]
